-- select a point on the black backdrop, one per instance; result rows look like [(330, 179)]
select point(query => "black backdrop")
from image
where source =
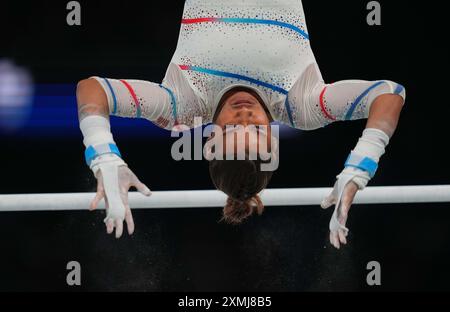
[(287, 248)]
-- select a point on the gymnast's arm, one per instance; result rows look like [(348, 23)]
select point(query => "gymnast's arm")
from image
[(103, 157), (381, 102)]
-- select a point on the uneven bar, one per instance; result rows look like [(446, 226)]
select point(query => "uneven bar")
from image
[(212, 199)]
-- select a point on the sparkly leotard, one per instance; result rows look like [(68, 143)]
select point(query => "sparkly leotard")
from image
[(260, 44)]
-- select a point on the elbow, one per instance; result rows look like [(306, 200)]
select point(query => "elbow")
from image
[(82, 84), (85, 86), (90, 91), (385, 113), (91, 99)]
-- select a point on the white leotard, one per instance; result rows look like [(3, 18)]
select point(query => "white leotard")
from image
[(260, 44)]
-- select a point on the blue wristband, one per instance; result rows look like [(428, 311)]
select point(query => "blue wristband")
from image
[(361, 162), (93, 152)]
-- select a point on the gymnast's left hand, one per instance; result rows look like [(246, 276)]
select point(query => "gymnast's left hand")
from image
[(345, 189)]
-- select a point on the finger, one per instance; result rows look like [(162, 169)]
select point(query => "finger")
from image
[(334, 240), (119, 228), (331, 239), (98, 197), (128, 217), (129, 220), (109, 226), (344, 210), (342, 237), (142, 188)]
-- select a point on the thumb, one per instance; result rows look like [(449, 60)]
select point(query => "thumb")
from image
[(98, 197), (142, 188), (329, 201)]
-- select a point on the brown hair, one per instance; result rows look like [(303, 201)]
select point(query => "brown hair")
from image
[(242, 181)]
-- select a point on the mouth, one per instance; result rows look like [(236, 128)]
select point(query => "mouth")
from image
[(240, 103)]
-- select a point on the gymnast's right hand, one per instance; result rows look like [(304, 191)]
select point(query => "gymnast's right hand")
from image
[(114, 179), (103, 156)]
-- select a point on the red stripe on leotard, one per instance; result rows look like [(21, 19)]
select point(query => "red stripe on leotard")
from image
[(134, 96), (322, 105)]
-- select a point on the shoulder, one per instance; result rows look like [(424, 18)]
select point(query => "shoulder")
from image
[(305, 100), (188, 103)]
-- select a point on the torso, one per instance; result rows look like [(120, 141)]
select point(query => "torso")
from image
[(262, 44)]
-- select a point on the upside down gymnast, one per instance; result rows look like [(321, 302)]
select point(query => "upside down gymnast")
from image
[(238, 62)]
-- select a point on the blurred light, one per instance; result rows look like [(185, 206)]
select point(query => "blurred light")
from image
[(16, 96)]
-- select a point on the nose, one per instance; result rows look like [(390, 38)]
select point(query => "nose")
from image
[(244, 116)]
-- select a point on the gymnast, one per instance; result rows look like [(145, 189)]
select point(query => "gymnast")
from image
[(247, 63)]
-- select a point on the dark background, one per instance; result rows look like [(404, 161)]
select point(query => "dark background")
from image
[(286, 249)]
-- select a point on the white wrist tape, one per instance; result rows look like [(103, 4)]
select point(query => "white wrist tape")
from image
[(99, 142), (372, 144), (362, 163), (96, 131)]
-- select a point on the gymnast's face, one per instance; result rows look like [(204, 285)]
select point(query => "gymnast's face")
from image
[(243, 107)]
